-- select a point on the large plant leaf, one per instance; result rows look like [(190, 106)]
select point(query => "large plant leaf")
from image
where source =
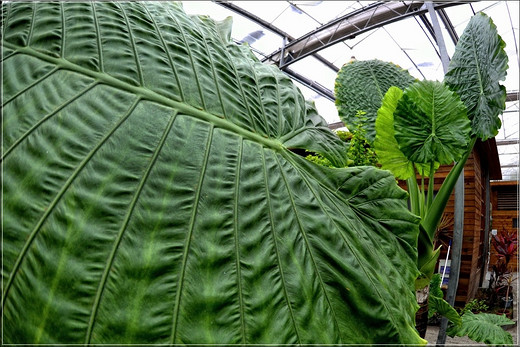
[(431, 124), (437, 304), (484, 327), (361, 85), (149, 196), (389, 155), (475, 70)]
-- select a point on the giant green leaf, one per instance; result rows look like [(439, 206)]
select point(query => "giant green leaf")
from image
[(431, 124), (150, 196), (361, 85), (475, 70)]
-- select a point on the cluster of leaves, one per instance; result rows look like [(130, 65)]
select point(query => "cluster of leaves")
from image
[(359, 151), (481, 327), (506, 244), (419, 125), (474, 306)]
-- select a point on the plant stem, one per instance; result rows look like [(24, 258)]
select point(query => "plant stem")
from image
[(431, 181), (432, 219), (413, 191)]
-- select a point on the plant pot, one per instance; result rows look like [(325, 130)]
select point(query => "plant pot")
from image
[(508, 312), (506, 303)]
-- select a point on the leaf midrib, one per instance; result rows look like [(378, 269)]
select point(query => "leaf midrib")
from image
[(148, 94)]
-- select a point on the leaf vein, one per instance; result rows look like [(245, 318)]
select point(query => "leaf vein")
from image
[(98, 37), (163, 43), (190, 55), (134, 48), (237, 241)]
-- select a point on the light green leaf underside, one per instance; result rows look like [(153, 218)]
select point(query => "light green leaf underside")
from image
[(389, 155), (149, 197), (476, 68), (385, 144), (361, 86), (431, 124)]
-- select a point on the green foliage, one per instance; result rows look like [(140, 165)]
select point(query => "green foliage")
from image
[(359, 152), (474, 305), (150, 196), (430, 124), (319, 160), (360, 86), (484, 327), (386, 146), (437, 304), (478, 64)]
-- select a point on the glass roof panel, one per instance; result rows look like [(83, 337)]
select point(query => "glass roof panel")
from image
[(267, 11), (316, 70), (325, 11), (291, 15)]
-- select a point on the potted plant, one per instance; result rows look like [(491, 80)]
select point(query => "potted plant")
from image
[(501, 293), (419, 125)]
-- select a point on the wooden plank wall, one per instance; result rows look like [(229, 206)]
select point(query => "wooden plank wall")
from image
[(503, 219)]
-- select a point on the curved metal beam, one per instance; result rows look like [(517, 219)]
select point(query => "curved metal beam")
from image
[(237, 9), (350, 25)]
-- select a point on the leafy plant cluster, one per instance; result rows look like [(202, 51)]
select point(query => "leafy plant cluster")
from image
[(359, 152), (430, 123), (500, 289), (420, 125), (475, 306), (471, 321)]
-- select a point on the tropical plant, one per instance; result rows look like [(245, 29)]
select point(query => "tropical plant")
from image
[(359, 152), (506, 244), (481, 327), (484, 327), (150, 195), (474, 306), (432, 123)]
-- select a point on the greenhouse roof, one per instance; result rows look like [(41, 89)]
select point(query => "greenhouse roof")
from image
[(311, 40)]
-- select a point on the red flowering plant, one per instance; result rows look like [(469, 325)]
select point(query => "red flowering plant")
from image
[(506, 245)]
